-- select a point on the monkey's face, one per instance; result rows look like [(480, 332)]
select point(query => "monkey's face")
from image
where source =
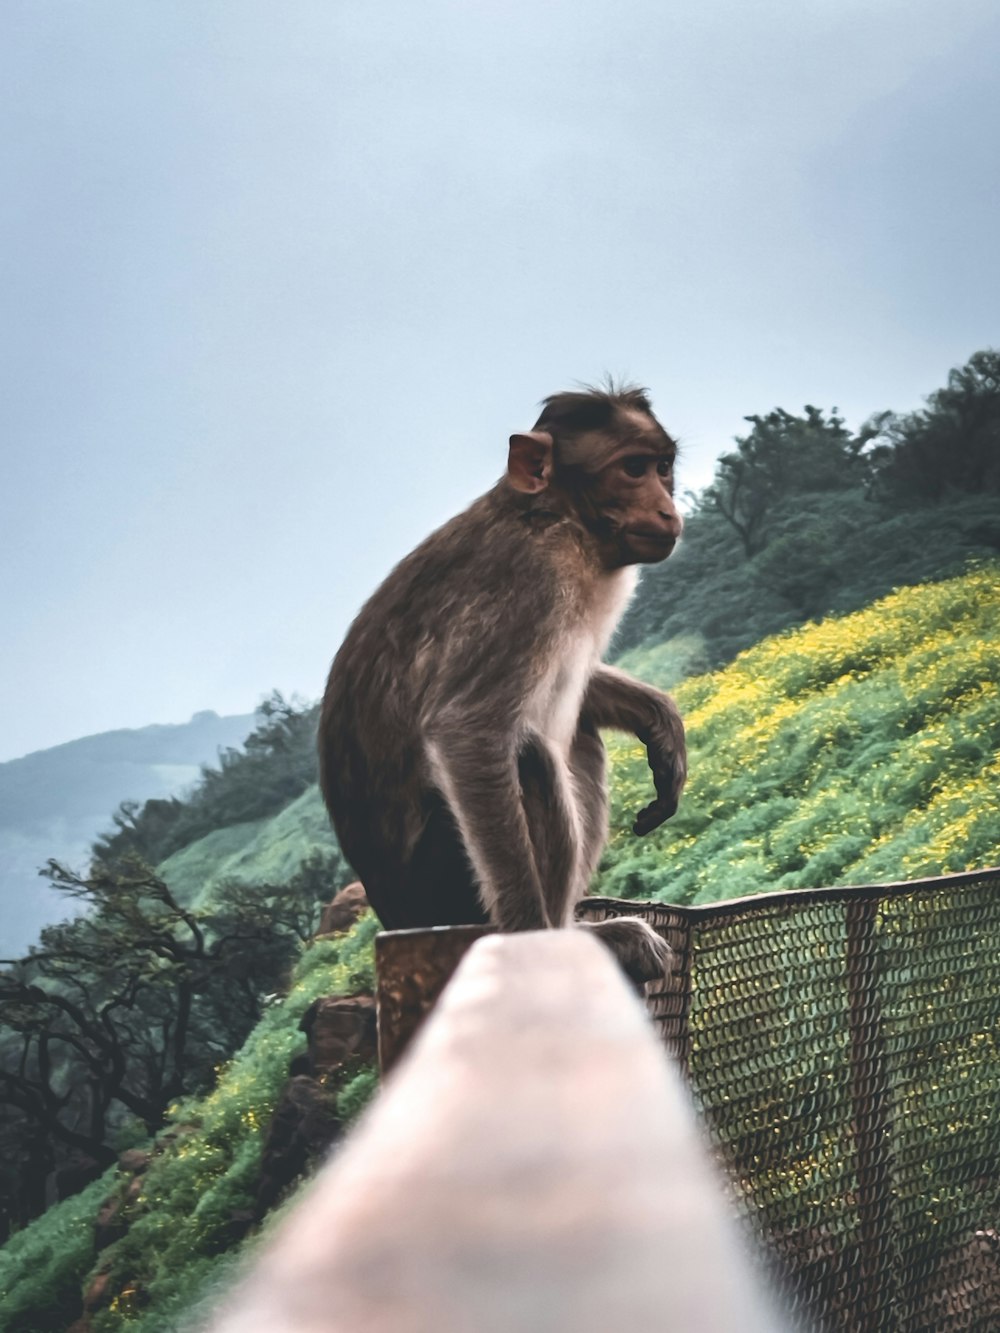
[(632, 497), (616, 477)]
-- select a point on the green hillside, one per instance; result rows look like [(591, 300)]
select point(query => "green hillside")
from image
[(179, 1244), (860, 749), (260, 851)]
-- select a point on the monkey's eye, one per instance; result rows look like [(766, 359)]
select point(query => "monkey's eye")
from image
[(636, 465), (665, 467)]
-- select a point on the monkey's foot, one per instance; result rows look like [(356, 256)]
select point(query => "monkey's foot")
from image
[(643, 955)]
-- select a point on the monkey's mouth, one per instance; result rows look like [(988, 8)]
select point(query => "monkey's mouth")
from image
[(664, 541)]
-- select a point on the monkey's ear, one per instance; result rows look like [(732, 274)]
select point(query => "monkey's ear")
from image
[(529, 463)]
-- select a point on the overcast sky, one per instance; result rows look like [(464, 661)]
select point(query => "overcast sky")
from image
[(277, 281)]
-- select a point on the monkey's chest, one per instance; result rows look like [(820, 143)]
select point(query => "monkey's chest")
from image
[(554, 706)]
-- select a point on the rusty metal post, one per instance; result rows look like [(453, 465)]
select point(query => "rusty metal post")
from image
[(412, 968), (869, 1113)]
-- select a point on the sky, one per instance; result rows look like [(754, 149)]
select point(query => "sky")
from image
[(277, 282)]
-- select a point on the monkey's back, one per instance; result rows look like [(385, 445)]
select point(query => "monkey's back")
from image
[(444, 630)]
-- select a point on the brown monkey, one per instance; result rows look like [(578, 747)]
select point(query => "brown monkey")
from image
[(459, 751)]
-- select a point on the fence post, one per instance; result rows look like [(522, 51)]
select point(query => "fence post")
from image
[(869, 1112), (413, 967)]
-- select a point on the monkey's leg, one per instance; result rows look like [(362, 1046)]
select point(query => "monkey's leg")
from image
[(554, 826), (406, 849), (439, 886), (588, 768), (479, 782)]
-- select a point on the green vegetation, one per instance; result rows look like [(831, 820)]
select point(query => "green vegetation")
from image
[(264, 851), (136, 1001), (129, 1006), (862, 749), (276, 764), (201, 1180), (43, 1267), (120, 1023), (184, 1217)]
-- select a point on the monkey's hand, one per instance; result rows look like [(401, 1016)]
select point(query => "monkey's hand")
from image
[(667, 755), (614, 699)]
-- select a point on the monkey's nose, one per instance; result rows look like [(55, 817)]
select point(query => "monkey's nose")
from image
[(673, 523)]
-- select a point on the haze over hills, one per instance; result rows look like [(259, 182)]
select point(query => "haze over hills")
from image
[(54, 802)]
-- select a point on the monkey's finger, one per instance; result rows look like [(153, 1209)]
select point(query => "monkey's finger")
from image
[(653, 815), (668, 777)]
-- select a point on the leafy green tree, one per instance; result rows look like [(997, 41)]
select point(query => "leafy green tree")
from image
[(783, 455), (141, 828), (804, 518), (953, 444)]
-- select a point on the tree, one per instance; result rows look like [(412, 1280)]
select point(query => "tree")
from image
[(783, 456), (133, 1004), (141, 828), (951, 445)]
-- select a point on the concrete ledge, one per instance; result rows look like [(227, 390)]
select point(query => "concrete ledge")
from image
[(532, 1165)]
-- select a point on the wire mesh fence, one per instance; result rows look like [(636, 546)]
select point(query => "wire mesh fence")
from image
[(843, 1046)]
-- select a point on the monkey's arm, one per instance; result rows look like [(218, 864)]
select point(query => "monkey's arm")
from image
[(614, 699)]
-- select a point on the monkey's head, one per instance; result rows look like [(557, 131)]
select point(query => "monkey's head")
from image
[(601, 456)]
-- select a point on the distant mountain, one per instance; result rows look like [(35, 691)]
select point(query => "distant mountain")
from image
[(53, 803)]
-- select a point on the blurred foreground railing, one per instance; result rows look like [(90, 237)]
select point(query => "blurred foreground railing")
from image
[(843, 1048), (532, 1165)]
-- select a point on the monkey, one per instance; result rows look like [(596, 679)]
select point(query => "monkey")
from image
[(460, 754)]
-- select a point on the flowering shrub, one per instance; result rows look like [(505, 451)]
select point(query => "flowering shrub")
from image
[(860, 749)]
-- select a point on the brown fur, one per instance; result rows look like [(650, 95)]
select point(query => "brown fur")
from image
[(459, 752)]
